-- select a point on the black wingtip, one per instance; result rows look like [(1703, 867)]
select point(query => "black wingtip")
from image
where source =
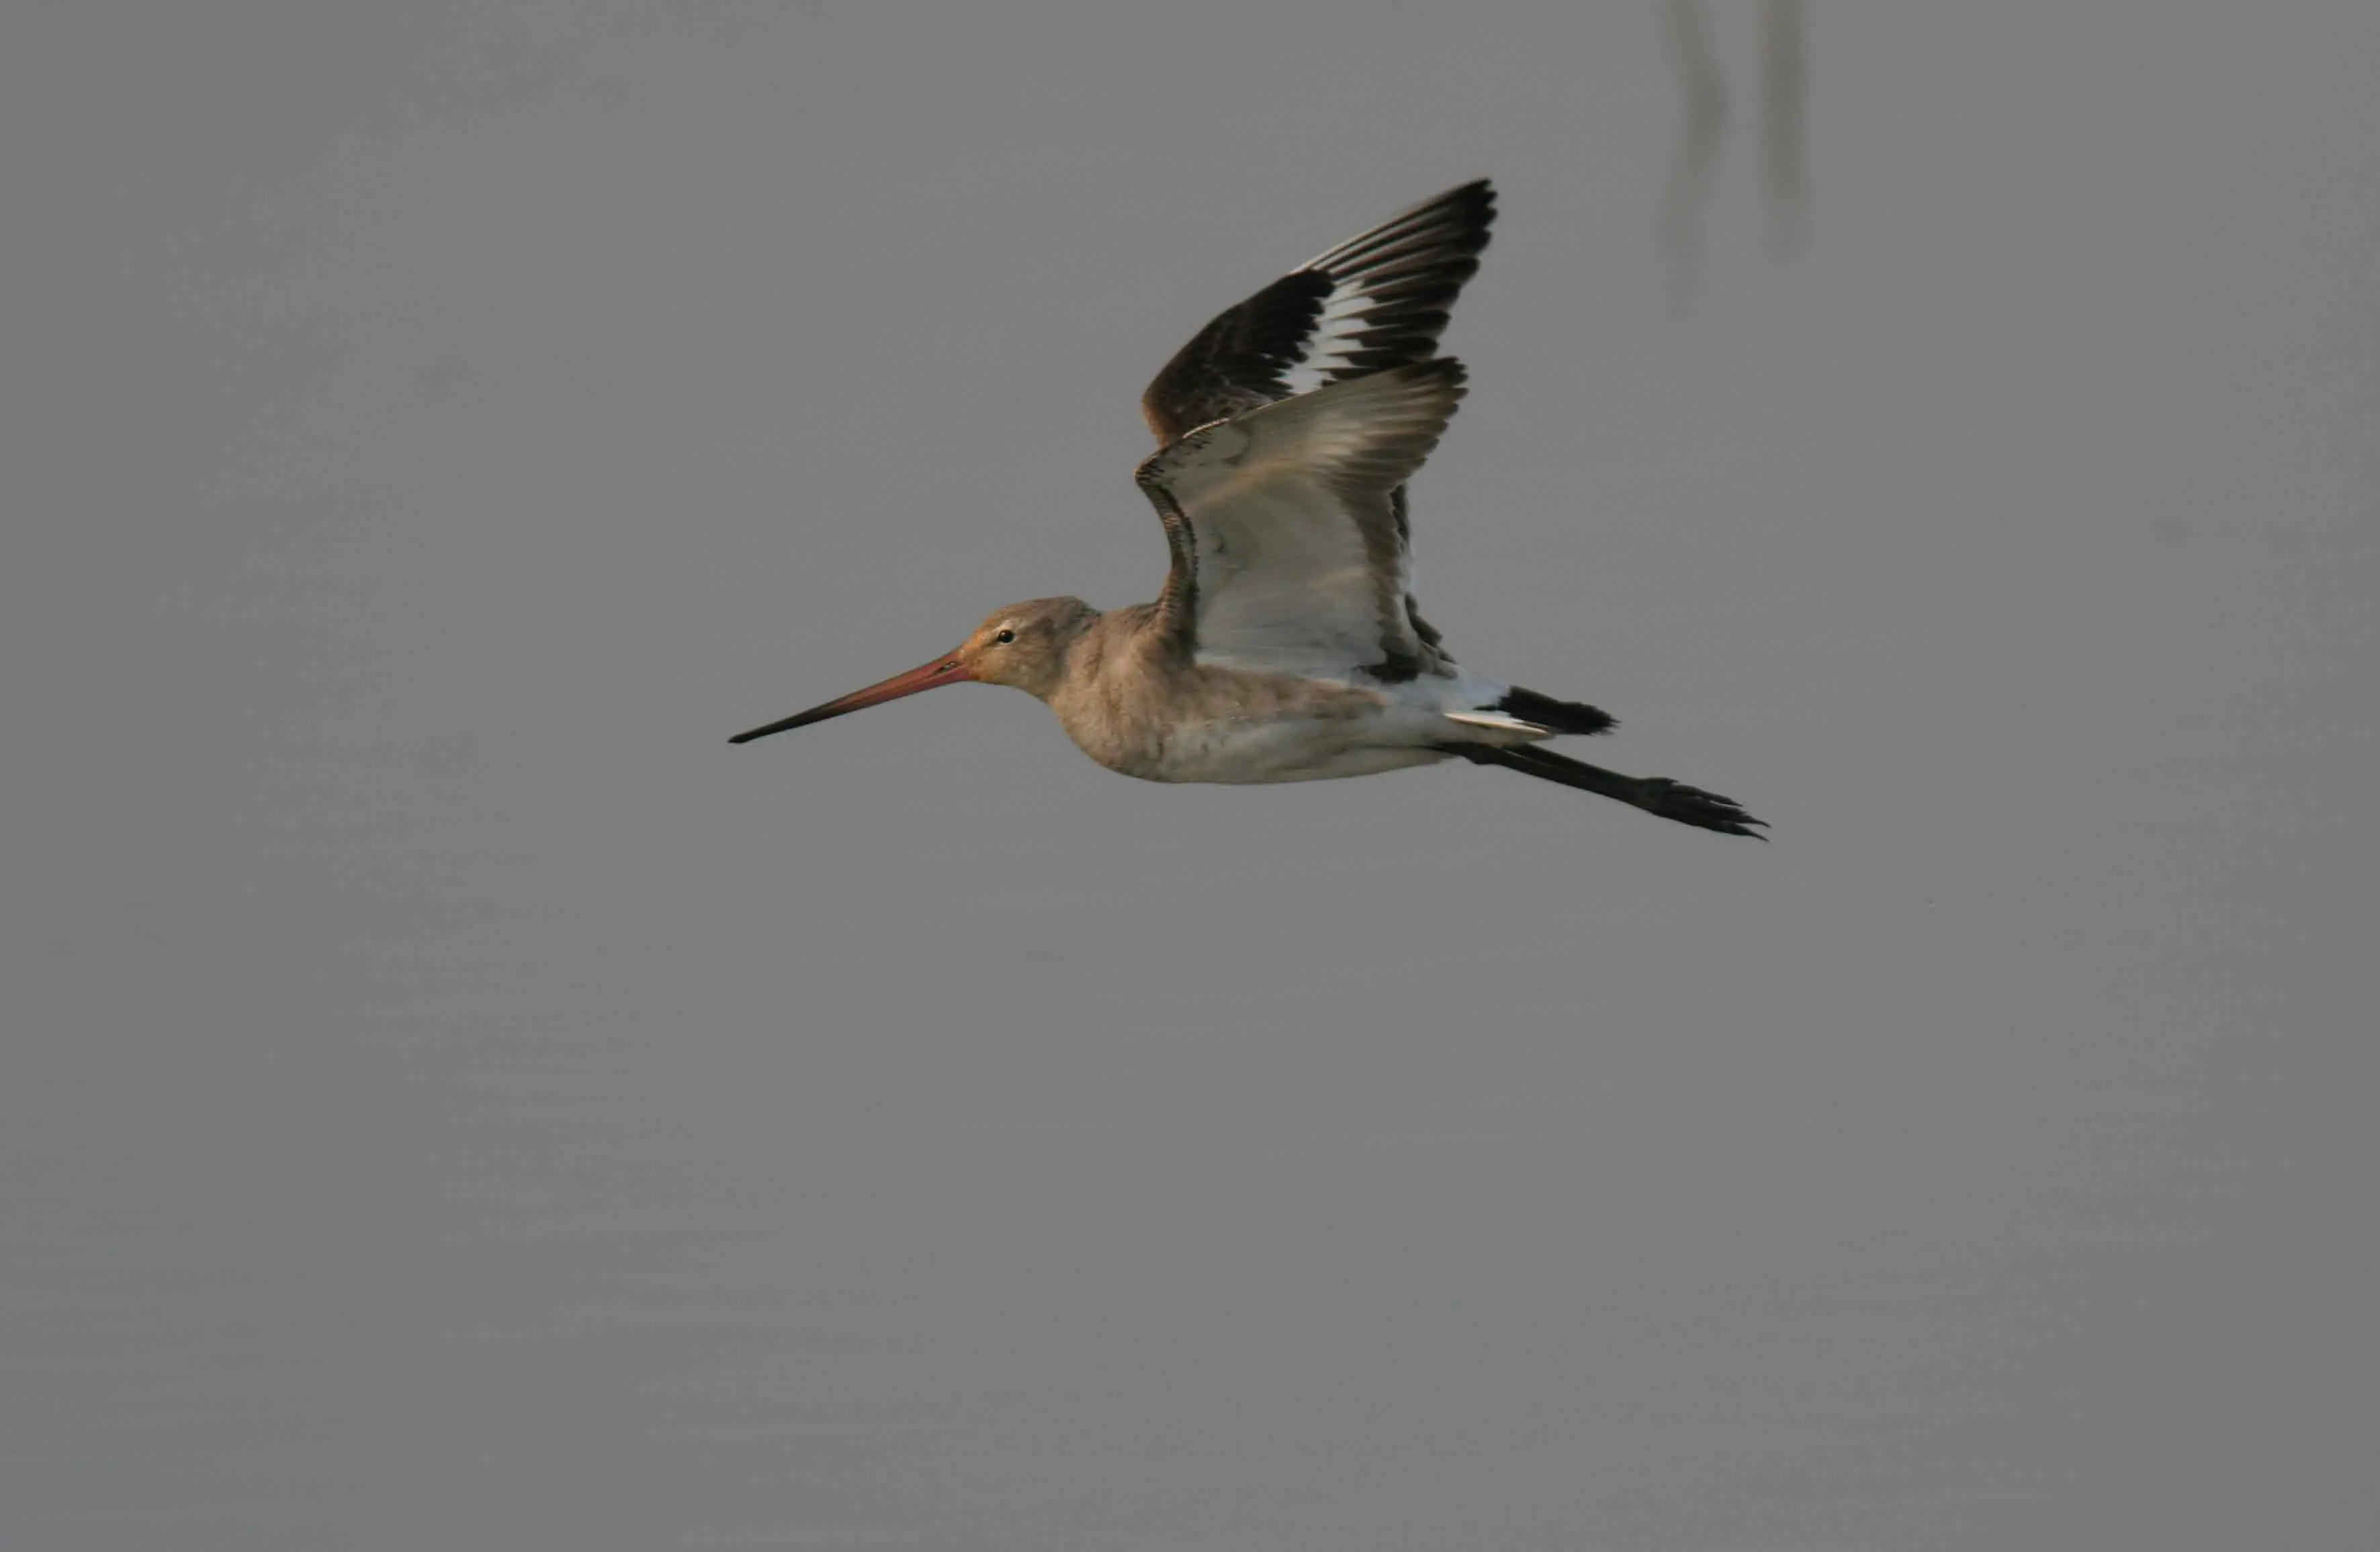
[(1474, 200)]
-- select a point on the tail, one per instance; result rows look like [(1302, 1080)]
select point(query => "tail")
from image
[(1655, 795), (1555, 716)]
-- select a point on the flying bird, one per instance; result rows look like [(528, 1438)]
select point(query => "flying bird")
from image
[(1286, 645)]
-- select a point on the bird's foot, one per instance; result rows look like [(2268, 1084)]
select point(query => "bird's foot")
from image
[(1675, 800)]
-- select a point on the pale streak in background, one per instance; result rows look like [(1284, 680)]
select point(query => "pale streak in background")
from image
[(1702, 120)]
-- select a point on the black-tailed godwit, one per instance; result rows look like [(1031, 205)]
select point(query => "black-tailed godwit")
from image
[(1286, 646)]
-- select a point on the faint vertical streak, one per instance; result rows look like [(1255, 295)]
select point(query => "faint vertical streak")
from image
[(1698, 137), (1784, 100)]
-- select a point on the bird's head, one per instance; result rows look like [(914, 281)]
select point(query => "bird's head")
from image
[(1024, 645)]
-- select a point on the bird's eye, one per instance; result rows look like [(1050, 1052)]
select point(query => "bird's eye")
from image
[(1006, 636)]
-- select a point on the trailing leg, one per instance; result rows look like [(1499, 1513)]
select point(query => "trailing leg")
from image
[(1655, 795)]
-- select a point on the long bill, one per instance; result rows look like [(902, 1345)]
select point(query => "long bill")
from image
[(947, 669)]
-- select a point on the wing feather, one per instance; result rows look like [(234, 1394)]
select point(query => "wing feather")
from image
[(1286, 533), (1375, 301)]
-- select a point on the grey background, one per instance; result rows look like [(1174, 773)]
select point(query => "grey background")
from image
[(453, 1099)]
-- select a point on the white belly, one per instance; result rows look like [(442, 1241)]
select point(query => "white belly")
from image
[(1279, 752), (1237, 726)]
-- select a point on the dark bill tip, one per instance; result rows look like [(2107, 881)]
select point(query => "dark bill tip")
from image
[(941, 670)]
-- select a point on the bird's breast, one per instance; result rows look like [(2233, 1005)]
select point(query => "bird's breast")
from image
[(1207, 723)]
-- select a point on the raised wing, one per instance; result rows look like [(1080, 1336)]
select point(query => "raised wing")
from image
[(1288, 552), (1375, 301)]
